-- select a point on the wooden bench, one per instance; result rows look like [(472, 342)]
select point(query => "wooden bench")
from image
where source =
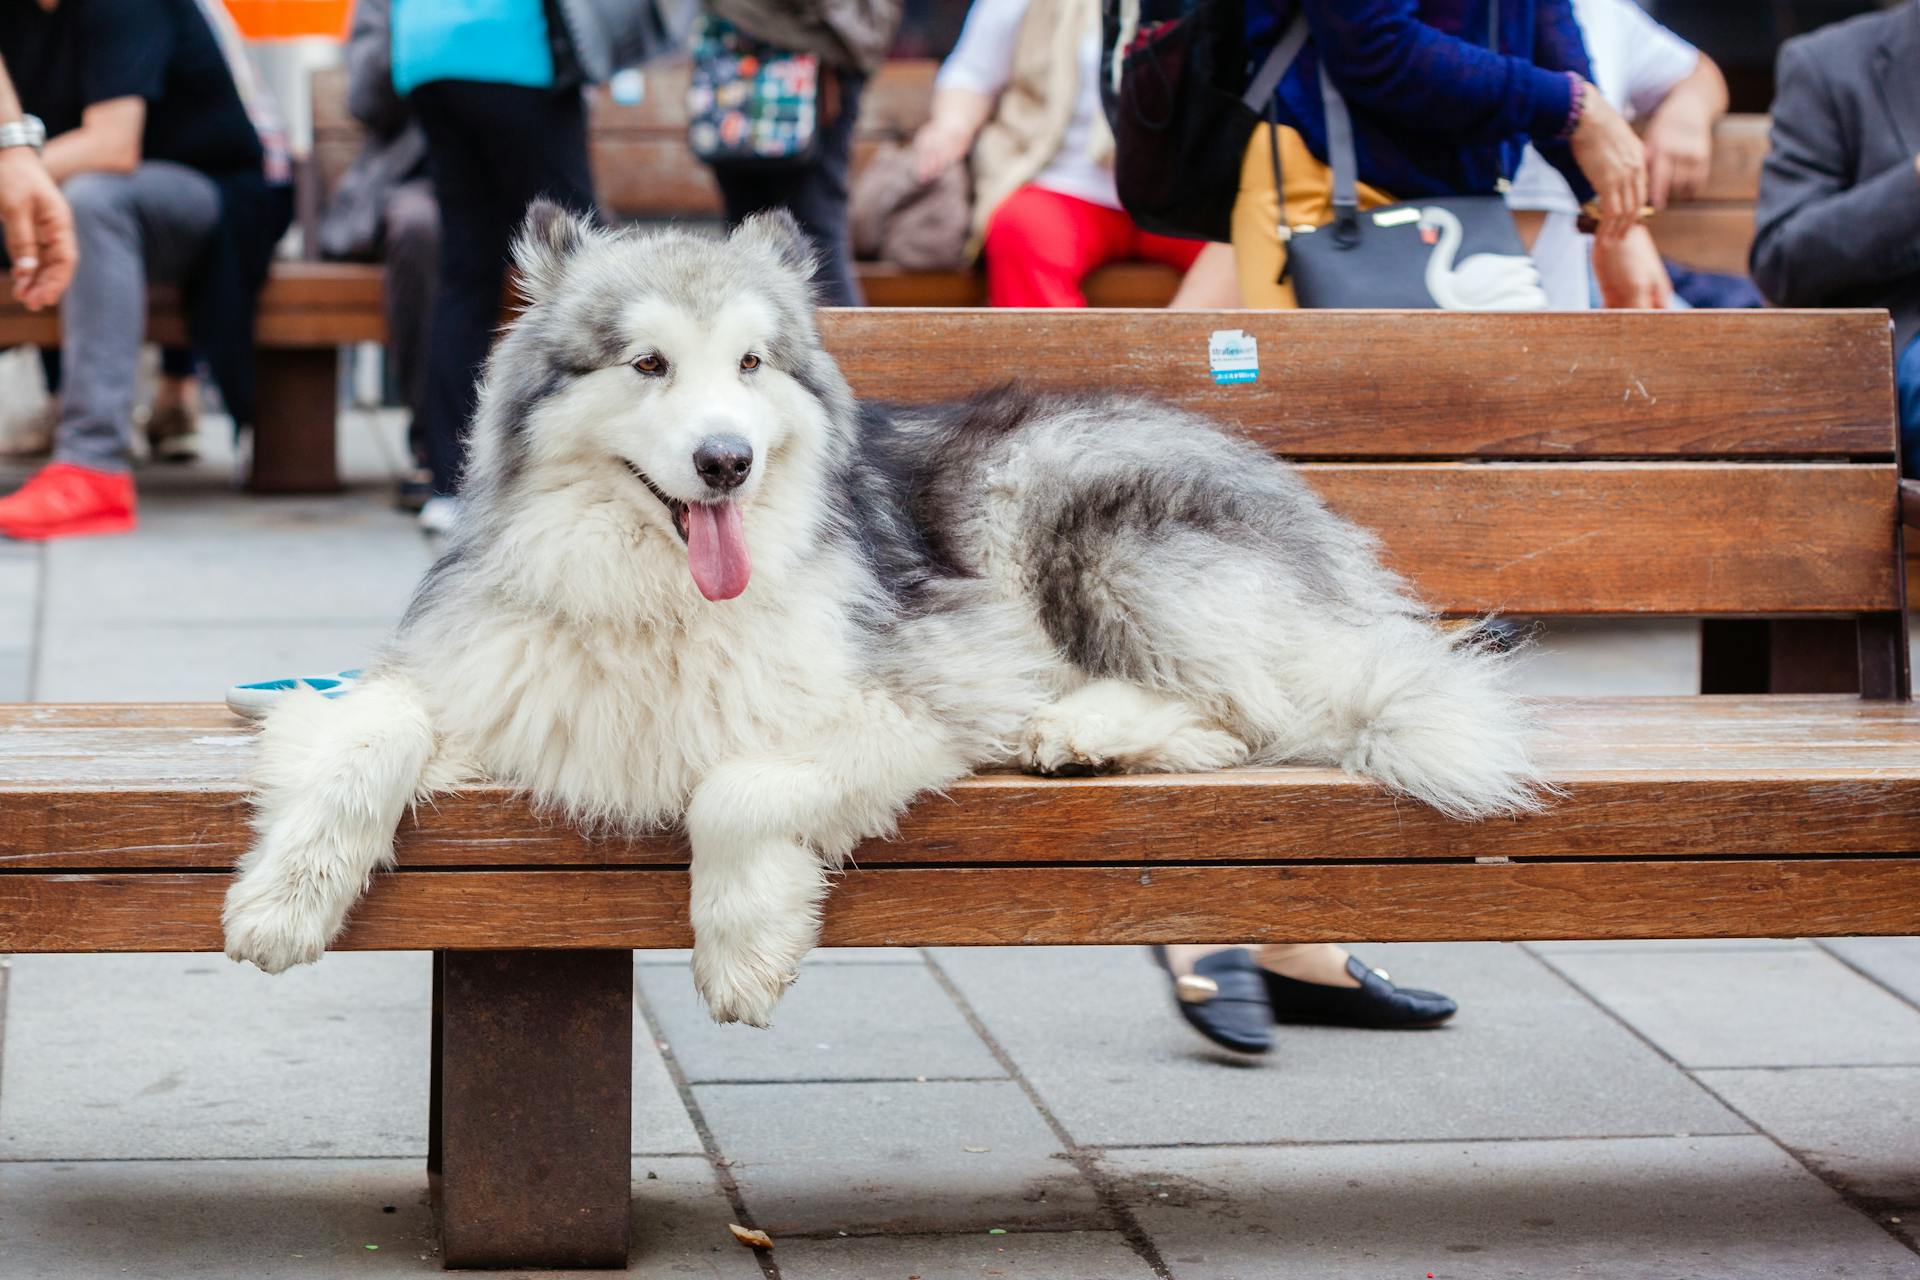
[(1731, 466)]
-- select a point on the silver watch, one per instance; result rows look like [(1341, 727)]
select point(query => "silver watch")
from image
[(27, 131)]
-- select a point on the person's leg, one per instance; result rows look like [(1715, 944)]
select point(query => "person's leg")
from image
[(1176, 253), (1210, 283), (491, 149), (154, 224), (173, 422), (410, 231), (1041, 244), (816, 195), (148, 224), (1907, 379)]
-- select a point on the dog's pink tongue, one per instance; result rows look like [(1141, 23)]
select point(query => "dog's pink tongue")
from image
[(717, 549)]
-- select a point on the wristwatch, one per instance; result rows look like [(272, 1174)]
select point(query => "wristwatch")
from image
[(27, 131)]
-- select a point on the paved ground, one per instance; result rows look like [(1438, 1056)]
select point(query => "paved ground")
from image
[(1642, 1110)]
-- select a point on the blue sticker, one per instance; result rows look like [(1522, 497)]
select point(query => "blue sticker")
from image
[(1233, 355)]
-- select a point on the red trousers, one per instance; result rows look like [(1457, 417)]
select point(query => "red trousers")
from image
[(1041, 244)]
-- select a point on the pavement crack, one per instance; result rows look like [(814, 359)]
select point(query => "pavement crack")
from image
[(1084, 1159), (769, 1268)]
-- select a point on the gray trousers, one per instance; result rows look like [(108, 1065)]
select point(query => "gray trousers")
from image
[(148, 225)]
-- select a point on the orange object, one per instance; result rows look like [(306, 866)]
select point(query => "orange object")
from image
[(288, 19)]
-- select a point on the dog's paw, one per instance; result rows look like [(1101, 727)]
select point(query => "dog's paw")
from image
[(270, 929), (740, 986), (1063, 746)]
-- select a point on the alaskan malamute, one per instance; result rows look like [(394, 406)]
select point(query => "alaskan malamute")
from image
[(696, 582)]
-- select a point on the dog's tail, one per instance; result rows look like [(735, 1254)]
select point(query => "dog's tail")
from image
[(1434, 715), (332, 782)]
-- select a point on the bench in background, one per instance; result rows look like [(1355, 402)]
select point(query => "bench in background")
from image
[(1732, 466)]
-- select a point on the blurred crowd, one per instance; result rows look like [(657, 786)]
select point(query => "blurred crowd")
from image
[(1463, 154)]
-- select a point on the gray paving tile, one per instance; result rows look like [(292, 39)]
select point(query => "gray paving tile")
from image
[(839, 1022), (293, 1219), (661, 1124), (16, 675), (1604, 945), (192, 1056), (1894, 962), (1859, 1125), (1608, 657), (1752, 1008), (893, 1158), (681, 957), (165, 662), (290, 559), (1096, 1031), (1728, 1208), (1055, 1255)]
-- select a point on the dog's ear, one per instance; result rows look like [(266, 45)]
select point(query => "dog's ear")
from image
[(777, 231), (548, 237)]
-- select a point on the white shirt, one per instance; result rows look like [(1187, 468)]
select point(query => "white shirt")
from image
[(1636, 64), (982, 60)]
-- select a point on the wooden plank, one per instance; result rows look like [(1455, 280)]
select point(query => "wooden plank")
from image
[(81, 788), (1538, 539), (1026, 906), (1740, 144), (1431, 384), (1709, 237)]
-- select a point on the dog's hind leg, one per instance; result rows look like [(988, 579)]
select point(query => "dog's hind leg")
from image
[(332, 782), (1114, 726), (765, 832)]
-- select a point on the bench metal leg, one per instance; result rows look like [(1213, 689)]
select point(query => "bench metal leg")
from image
[(530, 1119), (299, 405)]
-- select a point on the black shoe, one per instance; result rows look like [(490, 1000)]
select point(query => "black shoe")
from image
[(1224, 1000), (415, 488), (1376, 1002)]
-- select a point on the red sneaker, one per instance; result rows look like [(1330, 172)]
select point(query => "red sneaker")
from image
[(62, 500)]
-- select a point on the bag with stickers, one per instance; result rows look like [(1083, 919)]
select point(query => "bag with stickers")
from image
[(750, 102)]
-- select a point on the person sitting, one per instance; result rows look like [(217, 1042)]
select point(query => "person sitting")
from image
[(384, 209), (1837, 222), (1021, 93), (168, 179), (1645, 72)]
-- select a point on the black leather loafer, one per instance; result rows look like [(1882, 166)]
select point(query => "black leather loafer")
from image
[(1376, 1002), (1224, 1000)]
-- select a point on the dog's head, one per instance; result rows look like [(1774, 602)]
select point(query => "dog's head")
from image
[(677, 374)]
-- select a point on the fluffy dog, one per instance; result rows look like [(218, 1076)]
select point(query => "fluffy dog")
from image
[(696, 582)]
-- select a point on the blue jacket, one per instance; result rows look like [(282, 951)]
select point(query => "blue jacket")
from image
[(1435, 110)]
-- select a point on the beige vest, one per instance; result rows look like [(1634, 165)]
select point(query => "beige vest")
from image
[(1034, 109)]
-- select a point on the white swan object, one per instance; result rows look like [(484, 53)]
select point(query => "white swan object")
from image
[(1485, 281)]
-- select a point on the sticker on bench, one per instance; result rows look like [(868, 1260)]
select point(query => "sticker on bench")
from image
[(1233, 355)]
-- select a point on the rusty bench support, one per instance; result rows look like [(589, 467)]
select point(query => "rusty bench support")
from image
[(531, 1111), (299, 401)]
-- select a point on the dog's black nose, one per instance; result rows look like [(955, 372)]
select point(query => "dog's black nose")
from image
[(723, 461)]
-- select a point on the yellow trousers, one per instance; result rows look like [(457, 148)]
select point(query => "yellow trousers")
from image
[(1258, 254)]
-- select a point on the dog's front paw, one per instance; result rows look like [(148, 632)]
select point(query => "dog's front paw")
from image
[(270, 928), (739, 985), (1060, 746)]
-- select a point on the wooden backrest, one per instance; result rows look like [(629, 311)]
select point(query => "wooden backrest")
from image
[(1696, 464), (1714, 230), (639, 153)]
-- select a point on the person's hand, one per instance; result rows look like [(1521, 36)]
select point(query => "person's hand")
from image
[(39, 229), (940, 144), (1630, 273), (1679, 146), (1611, 156)]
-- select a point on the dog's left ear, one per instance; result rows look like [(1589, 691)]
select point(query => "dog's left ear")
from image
[(778, 231), (548, 237)]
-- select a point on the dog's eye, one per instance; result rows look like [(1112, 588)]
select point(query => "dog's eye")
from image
[(651, 365), (749, 362)]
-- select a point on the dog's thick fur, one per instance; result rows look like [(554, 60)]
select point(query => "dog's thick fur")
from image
[(1078, 584)]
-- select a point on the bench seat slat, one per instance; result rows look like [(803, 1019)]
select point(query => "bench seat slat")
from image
[(1460, 901), (104, 788)]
